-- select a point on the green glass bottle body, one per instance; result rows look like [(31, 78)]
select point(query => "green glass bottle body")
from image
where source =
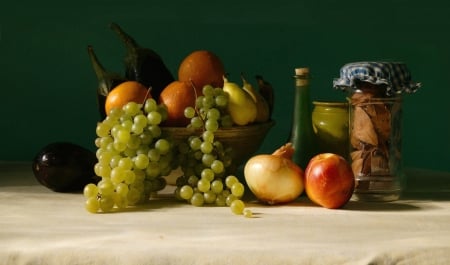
[(302, 135)]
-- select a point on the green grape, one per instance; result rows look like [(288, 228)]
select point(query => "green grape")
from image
[(146, 138), (102, 170), (105, 187), (153, 170), (120, 201), (106, 203), (226, 192), (230, 180), (247, 213), (193, 180), (211, 125), (115, 161), (133, 196), (134, 142), (140, 120), (196, 122), (208, 90), (217, 186), (220, 200), (119, 146), (186, 192), (203, 185), (217, 166), (213, 114), (197, 199), (115, 129), (221, 101), (199, 102), (90, 190), (104, 141), (127, 124), (141, 161), (154, 155), (139, 175), (206, 147), (163, 146), (129, 176), (150, 105), (154, 118), (117, 175), (115, 113), (207, 174), (195, 143), (163, 111), (208, 159), (208, 102), (155, 131), (102, 129), (209, 197), (122, 189), (92, 205), (226, 121), (237, 206), (125, 163), (208, 136), (189, 112), (237, 189), (131, 108), (230, 198), (136, 129)]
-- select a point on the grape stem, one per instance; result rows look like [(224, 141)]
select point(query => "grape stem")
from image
[(195, 105), (146, 97)]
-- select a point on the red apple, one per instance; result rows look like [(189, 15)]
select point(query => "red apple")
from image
[(329, 180)]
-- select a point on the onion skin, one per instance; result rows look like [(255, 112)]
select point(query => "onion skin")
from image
[(274, 179)]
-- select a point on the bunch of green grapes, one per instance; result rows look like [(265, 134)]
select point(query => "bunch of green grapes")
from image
[(204, 160), (133, 156)]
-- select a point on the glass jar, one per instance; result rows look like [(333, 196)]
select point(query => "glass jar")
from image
[(375, 146), (330, 125), (375, 126)]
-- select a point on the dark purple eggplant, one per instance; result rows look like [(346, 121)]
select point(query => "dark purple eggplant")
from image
[(65, 167), (143, 64)]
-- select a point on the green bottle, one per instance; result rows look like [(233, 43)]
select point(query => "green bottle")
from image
[(302, 135)]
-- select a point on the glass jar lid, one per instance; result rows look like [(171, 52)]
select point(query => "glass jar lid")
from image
[(395, 76)]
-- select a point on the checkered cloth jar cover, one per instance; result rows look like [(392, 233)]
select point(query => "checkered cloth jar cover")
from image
[(393, 74)]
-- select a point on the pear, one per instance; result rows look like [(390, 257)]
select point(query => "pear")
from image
[(241, 106), (262, 107)]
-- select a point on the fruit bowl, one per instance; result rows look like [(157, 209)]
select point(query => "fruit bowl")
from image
[(244, 140)]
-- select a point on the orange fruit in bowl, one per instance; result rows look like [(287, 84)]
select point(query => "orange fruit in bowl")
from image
[(177, 96), (126, 92), (203, 68)]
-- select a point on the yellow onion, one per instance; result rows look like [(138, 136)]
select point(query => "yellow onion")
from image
[(274, 178)]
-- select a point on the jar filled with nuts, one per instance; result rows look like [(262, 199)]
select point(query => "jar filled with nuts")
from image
[(375, 106)]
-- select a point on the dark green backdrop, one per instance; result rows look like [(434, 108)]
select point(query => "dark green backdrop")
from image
[(48, 86)]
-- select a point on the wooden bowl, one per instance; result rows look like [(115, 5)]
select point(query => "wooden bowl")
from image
[(244, 140)]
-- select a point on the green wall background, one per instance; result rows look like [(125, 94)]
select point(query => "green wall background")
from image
[(48, 85)]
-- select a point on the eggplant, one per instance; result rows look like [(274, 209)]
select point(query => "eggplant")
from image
[(65, 167), (143, 64), (107, 81)]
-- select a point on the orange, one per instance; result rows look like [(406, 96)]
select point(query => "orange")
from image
[(177, 96), (124, 93), (203, 68)]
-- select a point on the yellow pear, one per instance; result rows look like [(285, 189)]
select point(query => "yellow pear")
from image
[(262, 108), (241, 106)]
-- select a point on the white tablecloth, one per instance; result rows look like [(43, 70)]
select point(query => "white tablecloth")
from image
[(39, 226)]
